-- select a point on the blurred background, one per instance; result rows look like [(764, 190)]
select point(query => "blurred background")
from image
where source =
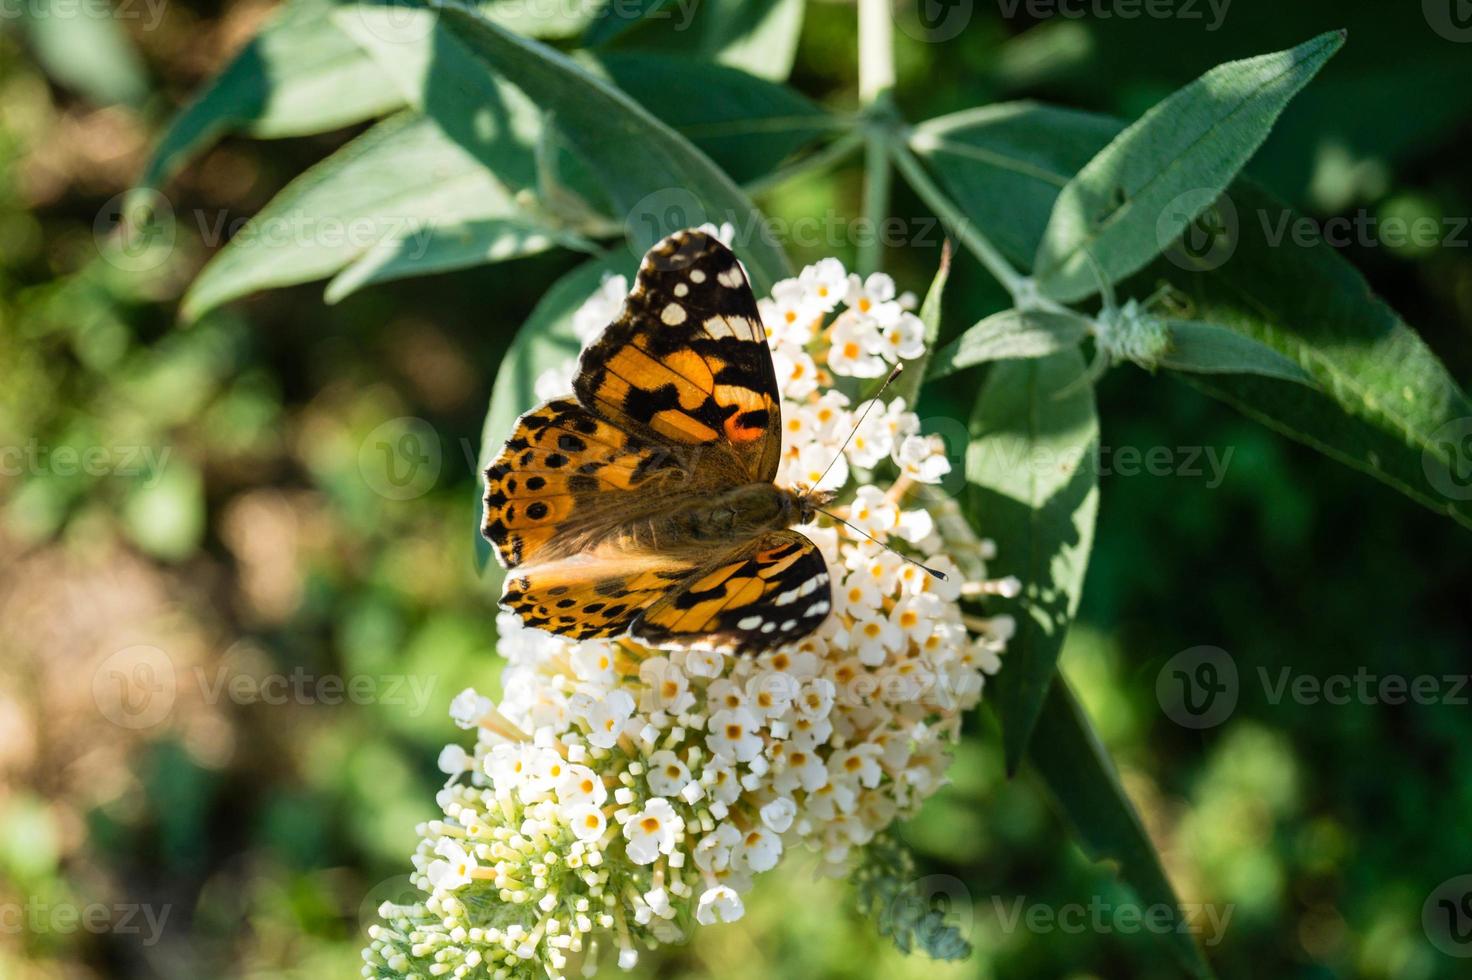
[(199, 515)]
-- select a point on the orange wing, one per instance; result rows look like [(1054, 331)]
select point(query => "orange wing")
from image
[(769, 592), (687, 361)]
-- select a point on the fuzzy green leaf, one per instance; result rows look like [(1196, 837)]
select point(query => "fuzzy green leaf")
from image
[(1130, 201), (661, 182), (1009, 335), (1033, 472), (1073, 763)]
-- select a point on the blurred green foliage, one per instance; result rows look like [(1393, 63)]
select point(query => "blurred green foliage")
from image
[(230, 517)]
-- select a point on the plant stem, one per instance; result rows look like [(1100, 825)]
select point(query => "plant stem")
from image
[(967, 232), (876, 85), (829, 156)]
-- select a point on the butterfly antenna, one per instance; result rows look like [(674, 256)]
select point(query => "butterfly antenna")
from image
[(872, 401), (920, 565)]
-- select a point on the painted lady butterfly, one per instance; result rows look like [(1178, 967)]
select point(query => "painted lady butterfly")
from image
[(646, 505)]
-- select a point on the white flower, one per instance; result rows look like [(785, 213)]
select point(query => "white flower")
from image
[(579, 784), (790, 314), (555, 382), (606, 718), (818, 467), (600, 309), (856, 349), (873, 297), (455, 869), (719, 904), (904, 338), (826, 283), (667, 775), (760, 849), (704, 663), (653, 831), (453, 760), (587, 822), (923, 458), (779, 814), (797, 372), (469, 708), (733, 734)]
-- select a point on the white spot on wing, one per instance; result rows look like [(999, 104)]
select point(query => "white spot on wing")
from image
[(731, 278), (697, 276), (749, 623), (673, 315)]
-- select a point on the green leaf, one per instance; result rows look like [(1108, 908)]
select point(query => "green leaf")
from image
[(1140, 192), (91, 53), (545, 341), (1075, 766), (1206, 348), (907, 385), (299, 75), (745, 124), (1032, 467), (1009, 335), (1004, 164), (436, 74), (1386, 404), (659, 182), (757, 36), (615, 18), (385, 198), (448, 246)]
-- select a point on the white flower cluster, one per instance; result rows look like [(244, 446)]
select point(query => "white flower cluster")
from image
[(620, 795)]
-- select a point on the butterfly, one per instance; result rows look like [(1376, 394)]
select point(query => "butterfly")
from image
[(645, 504)]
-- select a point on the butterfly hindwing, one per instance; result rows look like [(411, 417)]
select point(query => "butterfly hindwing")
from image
[(590, 596), (687, 360), (768, 592)]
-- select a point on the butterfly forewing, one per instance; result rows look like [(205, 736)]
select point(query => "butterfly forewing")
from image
[(687, 361)]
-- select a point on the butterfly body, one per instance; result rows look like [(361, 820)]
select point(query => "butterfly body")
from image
[(646, 503)]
